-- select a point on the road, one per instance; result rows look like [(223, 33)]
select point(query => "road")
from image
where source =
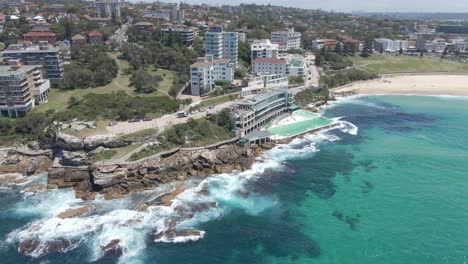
[(119, 35), (172, 119), (161, 123)]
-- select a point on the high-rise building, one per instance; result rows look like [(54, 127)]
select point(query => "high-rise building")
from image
[(21, 88), (287, 39), (221, 44), (107, 8), (263, 49), (43, 54), (206, 71)]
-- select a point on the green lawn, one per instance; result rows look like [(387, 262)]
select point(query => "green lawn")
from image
[(141, 134), (166, 84), (215, 101), (406, 64), (117, 153), (58, 98)]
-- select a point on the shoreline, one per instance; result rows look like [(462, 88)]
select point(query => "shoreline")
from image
[(417, 84)]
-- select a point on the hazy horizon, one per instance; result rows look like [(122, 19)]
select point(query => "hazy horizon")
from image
[(420, 6)]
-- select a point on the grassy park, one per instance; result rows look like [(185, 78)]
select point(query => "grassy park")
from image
[(406, 64), (58, 99)]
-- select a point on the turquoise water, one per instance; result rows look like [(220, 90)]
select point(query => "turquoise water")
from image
[(313, 121), (394, 193)]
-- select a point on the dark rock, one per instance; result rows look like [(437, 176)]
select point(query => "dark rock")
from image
[(113, 249)]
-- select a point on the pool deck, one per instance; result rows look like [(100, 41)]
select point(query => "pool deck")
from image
[(299, 123)]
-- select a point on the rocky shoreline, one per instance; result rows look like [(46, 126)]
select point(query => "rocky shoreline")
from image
[(116, 180)]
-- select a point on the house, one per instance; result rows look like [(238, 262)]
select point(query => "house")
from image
[(95, 38), (78, 41)]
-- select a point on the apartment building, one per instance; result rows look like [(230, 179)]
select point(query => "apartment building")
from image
[(21, 88), (179, 33), (221, 44), (296, 65), (351, 46), (37, 36), (144, 27), (253, 113), (324, 43), (389, 45), (206, 71), (263, 49), (257, 84), (269, 66), (107, 9), (286, 39), (42, 54)]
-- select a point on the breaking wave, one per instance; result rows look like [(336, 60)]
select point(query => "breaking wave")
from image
[(125, 227)]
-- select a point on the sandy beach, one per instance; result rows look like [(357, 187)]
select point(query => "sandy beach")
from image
[(456, 85)]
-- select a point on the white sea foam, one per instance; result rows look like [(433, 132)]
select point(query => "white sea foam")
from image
[(202, 201)]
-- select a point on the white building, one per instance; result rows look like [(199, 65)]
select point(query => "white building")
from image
[(263, 82), (206, 71), (287, 39), (388, 45), (263, 49), (242, 36), (297, 65), (222, 45), (269, 66)]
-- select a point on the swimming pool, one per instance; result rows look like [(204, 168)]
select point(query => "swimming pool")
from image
[(299, 122)]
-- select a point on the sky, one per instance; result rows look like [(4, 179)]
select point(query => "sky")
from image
[(456, 6)]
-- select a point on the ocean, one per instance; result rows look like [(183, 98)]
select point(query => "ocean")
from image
[(389, 186)]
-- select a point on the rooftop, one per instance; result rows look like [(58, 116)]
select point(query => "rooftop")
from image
[(208, 63), (15, 48), (144, 24), (269, 60), (6, 70), (39, 34), (94, 34), (78, 37)]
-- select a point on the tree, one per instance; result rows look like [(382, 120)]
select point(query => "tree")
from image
[(72, 101), (244, 52), (444, 53), (144, 82)]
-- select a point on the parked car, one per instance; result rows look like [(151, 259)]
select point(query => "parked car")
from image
[(147, 118), (181, 114), (113, 123), (134, 120)]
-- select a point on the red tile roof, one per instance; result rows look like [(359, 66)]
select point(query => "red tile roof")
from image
[(269, 60), (94, 34), (39, 34)]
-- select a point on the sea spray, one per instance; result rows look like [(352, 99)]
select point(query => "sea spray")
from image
[(117, 220)]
